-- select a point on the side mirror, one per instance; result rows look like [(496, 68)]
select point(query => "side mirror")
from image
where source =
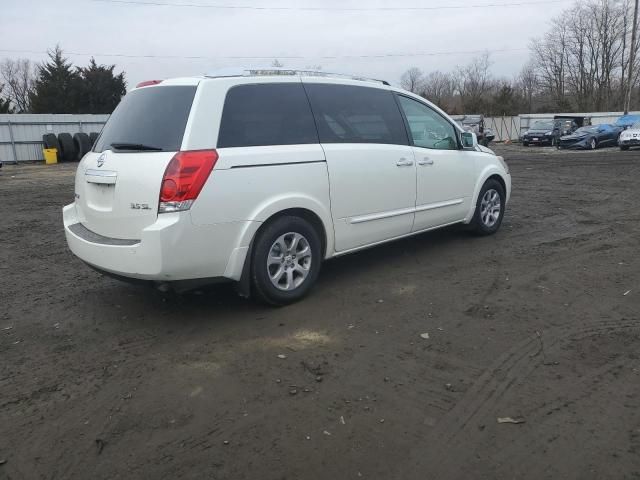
[(469, 140)]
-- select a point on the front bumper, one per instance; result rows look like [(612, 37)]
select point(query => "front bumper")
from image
[(538, 139), (574, 144), (629, 142), (171, 249)]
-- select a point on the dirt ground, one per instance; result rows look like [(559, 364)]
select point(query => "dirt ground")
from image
[(540, 323)]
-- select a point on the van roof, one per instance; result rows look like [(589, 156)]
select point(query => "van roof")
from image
[(276, 71)]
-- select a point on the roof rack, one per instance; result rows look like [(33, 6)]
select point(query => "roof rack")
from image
[(274, 71)]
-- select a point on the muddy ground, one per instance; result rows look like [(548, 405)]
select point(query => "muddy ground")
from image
[(540, 323)]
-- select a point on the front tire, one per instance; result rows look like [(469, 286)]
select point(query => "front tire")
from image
[(593, 144), (286, 261), (624, 148), (489, 208)]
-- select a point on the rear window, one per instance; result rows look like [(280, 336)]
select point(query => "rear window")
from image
[(266, 114), (351, 114), (155, 117)]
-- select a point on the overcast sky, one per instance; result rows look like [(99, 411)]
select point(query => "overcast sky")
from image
[(85, 27)]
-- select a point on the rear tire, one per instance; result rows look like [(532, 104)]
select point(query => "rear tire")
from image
[(489, 208), (82, 144), (67, 148), (593, 144), (285, 261)]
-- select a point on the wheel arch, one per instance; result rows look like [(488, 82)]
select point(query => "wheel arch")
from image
[(243, 286), (491, 173), (499, 179), (304, 213)]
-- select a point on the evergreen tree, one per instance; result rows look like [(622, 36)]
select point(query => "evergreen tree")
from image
[(99, 90), (56, 86)]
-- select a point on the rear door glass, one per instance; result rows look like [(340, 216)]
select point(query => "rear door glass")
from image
[(266, 114), (352, 114), (154, 116)]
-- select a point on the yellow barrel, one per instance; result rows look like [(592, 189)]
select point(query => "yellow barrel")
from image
[(50, 155)]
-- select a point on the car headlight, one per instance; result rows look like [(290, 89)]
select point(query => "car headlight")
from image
[(549, 133)]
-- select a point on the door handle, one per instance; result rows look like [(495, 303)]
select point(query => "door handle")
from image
[(403, 162), (425, 161)]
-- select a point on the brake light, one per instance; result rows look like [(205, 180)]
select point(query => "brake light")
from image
[(184, 178), (148, 83)]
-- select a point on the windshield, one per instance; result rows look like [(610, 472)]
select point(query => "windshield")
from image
[(542, 125), (586, 130), (149, 119)]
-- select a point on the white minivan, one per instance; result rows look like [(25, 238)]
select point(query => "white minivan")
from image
[(258, 176)]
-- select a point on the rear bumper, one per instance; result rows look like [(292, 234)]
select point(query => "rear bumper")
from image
[(171, 249)]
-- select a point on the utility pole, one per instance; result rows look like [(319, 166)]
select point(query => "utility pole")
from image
[(632, 58)]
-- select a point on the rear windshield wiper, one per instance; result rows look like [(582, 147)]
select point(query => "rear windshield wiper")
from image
[(135, 146)]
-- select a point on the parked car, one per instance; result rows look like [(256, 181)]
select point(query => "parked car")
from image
[(548, 132), (542, 132), (258, 178), (630, 137), (590, 138), (475, 124)]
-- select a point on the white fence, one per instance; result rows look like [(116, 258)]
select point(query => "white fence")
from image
[(21, 134), (505, 128)]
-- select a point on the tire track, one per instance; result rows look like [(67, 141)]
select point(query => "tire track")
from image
[(458, 427)]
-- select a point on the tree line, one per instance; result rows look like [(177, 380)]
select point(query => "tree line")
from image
[(581, 63), (57, 86)]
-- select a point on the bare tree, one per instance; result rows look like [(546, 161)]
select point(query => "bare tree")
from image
[(439, 88), (412, 80), (474, 83), (528, 83), (582, 60), (19, 76)]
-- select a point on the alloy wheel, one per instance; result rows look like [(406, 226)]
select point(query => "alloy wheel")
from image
[(490, 208), (289, 261)]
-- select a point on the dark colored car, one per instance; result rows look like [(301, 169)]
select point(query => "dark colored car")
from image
[(591, 137), (542, 132)]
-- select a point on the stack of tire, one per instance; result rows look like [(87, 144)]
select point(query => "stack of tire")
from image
[(70, 148)]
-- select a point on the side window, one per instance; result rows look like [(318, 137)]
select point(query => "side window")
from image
[(351, 114), (266, 114), (428, 128)]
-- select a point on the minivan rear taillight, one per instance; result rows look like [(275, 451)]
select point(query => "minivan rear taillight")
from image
[(183, 179)]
